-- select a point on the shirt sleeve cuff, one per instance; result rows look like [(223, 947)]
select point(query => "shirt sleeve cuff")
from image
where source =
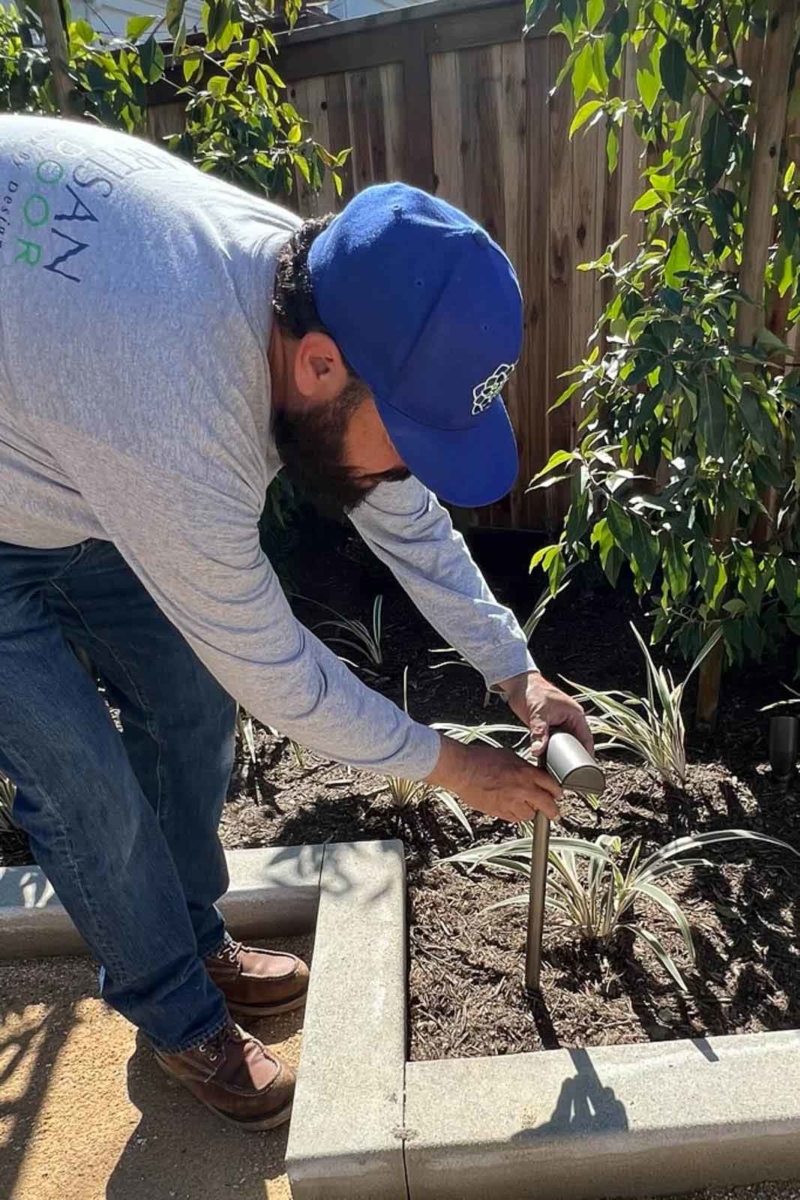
[(422, 755), (516, 659)]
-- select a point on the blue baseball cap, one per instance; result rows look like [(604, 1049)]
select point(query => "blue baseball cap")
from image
[(427, 310)]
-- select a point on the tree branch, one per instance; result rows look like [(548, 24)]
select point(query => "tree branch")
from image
[(728, 34), (704, 86)]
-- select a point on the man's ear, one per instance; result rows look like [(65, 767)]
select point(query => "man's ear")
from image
[(319, 371)]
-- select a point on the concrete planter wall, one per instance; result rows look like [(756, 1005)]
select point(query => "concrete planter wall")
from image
[(367, 1125)]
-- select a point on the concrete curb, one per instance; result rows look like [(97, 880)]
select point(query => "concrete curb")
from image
[(272, 892), (560, 1125), (613, 1121), (345, 1141)]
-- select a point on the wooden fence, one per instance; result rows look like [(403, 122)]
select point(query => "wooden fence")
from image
[(449, 97)]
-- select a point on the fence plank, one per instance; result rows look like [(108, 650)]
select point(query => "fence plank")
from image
[(393, 96), (588, 187), (512, 123), (562, 267), (339, 129), (311, 101), (448, 162), (536, 356), (164, 120), (418, 156), (359, 128)]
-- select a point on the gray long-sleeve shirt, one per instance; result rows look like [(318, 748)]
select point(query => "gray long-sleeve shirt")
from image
[(135, 319)]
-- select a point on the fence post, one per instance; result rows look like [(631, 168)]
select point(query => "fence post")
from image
[(55, 37), (418, 141)]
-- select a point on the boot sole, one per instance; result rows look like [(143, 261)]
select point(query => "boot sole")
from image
[(257, 1125), (266, 1010)]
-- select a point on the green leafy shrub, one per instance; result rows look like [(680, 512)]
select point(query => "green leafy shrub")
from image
[(688, 464)]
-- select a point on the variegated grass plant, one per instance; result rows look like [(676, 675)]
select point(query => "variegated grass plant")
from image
[(794, 698), (595, 891), (651, 726), (403, 792), (352, 633)]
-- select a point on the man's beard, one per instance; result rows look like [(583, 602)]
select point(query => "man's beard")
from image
[(311, 447)]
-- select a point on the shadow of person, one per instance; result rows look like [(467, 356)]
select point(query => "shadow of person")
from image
[(584, 1106), (182, 1151)]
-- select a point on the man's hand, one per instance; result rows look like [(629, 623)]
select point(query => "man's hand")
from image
[(495, 781), (542, 707)]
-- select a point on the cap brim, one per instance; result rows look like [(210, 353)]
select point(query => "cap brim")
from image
[(466, 467)]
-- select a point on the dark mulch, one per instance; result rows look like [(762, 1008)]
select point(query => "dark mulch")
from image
[(465, 962)]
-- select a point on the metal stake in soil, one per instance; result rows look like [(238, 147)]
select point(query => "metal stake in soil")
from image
[(783, 746), (537, 898), (572, 767)]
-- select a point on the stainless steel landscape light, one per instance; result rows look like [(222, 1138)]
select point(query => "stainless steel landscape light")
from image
[(783, 739), (573, 767)]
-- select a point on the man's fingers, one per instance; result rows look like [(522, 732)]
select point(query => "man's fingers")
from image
[(544, 794), (539, 730), (579, 727), (545, 782)]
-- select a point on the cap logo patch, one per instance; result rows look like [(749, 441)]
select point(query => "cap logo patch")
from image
[(486, 392)]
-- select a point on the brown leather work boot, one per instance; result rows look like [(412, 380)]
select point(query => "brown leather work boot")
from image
[(237, 1077), (258, 983)]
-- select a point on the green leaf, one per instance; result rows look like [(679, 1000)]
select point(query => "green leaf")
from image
[(678, 260), (583, 72), (273, 75), (752, 414), (610, 555), (218, 86), (612, 149), (191, 66), (673, 69), (175, 15), (786, 578), (646, 201), (136, 27), (583, 114), (620, 525), (216, 14), (715, 147), (672, 299), (649, 86), (594, 12), (262, 86), (645, 549), (676, 568), (712, 416), (151, 60), (82, 33), (768, 341)]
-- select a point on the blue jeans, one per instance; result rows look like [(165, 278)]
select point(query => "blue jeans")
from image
[(125, 827)]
